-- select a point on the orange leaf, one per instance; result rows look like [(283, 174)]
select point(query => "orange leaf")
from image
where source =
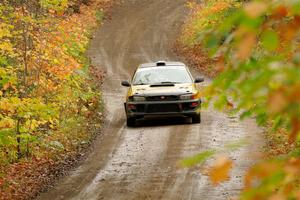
[(260, 171), (230, 105), (245, 46), (277, 102), (295, 129), (6, 86), (280, 12), (288, 32), (220, 64), (295, 93), (220, 170), (298, 195), (255, 9), (297, 20), (278, 197)]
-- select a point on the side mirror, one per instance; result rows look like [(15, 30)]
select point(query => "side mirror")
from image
[(125, 83), (199, 80)]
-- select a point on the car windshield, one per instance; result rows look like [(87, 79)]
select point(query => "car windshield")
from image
[(161, 75)]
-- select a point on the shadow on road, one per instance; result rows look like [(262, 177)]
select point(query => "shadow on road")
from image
[(163, 121)]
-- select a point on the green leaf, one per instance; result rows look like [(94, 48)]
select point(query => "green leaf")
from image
[(296, 7), (277, 122), (246, 114), (197, 159), (6, 137), (251, 23), (3, 61), (99, 15), (212, 42), (236, 145), (221, 102), (270, 40)]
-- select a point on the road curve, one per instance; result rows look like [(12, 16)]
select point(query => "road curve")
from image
[(141, 163)]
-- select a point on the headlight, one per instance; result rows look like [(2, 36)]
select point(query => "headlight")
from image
[(139, 98), (189, 96), (186, 96)]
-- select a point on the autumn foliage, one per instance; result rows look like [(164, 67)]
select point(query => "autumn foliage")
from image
[(47, 94), (255, 49)]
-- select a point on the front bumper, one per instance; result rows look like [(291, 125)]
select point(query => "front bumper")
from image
[(163, 108)]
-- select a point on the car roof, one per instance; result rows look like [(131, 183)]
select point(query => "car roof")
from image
[(162, 63)]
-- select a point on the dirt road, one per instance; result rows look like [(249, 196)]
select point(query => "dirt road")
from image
[(141, 163)]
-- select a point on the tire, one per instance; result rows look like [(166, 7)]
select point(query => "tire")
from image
[(131, 122), (196, 119)]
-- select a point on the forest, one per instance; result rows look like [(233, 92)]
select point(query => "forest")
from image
[(252, 50), (48, 92)]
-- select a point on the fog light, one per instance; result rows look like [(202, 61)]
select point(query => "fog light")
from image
[(131, 107), (194, 104)]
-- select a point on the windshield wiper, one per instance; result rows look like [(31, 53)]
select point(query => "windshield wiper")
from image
[(169, 82)]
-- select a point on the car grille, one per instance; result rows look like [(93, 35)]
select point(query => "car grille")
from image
[(140, 108), (160, 108), (163, 98)]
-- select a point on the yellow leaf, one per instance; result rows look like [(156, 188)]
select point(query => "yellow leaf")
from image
[(219, 172), (191, 4), (6, 123), (6, 47)]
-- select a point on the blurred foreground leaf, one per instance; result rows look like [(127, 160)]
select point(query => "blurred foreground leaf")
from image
[(197, 159), (219, 172)]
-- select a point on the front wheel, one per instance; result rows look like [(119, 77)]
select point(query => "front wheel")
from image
[(196, 119), (131, 122)]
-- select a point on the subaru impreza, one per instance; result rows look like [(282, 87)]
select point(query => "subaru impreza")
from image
[(162, 89)]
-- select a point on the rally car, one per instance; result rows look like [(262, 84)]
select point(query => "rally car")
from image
[(162, 88)]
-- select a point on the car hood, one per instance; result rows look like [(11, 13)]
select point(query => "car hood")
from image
[(177, 89)]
